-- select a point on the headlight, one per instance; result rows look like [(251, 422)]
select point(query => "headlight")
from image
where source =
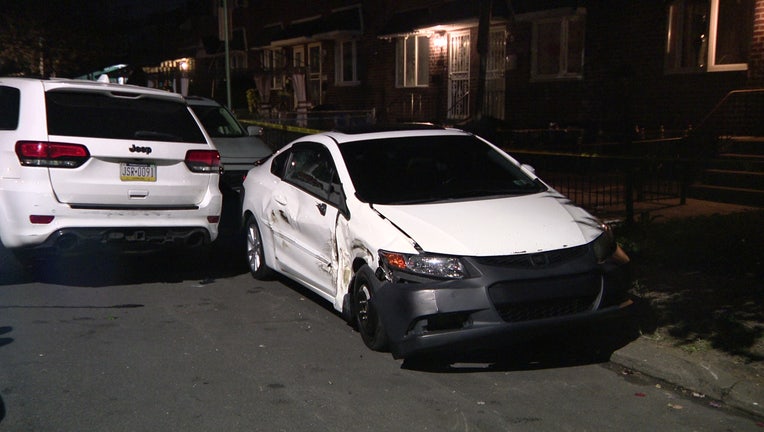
[(436, 266), (604, 246)]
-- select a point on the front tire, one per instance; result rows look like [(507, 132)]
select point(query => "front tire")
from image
[(366, 316), (254, 250)]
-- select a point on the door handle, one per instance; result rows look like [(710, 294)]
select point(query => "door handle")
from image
[(280, 199)]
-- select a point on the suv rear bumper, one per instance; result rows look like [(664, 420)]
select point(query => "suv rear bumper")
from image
[(126, 239), (19, 200)]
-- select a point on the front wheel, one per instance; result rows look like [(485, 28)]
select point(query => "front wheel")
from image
[(366, 316), (255, 251)]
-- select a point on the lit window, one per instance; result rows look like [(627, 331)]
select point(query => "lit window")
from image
[(558, 47), (347, 63), (710, 35), (412, 61)]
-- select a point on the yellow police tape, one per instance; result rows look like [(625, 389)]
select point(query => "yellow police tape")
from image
[(282, 127)]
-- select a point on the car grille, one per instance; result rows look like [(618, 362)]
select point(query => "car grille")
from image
[(535, 260), (528, 300)]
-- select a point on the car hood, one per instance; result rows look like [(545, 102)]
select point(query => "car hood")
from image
[(240, 150), (502, 226)]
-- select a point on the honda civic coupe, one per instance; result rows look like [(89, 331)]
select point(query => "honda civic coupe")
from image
[(429, 239)]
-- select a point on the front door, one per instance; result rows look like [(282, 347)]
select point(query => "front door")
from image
[(305, 219), (315, 96), (459, 75), (494, 82)]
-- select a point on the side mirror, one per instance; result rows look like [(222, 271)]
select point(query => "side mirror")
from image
[(255, 130)]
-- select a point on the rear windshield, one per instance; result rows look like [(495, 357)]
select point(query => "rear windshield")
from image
[(9, 108), (414, 170), (120, 116)]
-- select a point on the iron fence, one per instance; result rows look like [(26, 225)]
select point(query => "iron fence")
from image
[(611, 185)]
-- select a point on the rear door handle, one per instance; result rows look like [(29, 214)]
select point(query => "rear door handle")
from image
[(321, 208)]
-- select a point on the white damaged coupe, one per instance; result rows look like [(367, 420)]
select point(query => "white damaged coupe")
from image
[(429, 238)]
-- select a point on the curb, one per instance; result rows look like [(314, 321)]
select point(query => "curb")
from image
[(719, 379)]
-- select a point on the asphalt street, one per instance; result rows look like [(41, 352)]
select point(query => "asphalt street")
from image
[(193, 343)]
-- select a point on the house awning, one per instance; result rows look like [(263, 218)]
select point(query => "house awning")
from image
[(450, 14), (460, 14), (345, 22)]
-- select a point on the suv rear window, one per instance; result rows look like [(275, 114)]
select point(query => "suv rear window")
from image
[(9, 108), (120, 116)]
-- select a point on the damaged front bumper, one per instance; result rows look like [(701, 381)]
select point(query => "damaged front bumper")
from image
[(498, 307)]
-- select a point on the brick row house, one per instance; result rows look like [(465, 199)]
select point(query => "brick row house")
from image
[(605, 66)]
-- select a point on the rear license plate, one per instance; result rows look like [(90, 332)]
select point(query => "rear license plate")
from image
[(138, 172)]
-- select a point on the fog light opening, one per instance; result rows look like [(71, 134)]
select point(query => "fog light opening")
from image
[(440, 322)]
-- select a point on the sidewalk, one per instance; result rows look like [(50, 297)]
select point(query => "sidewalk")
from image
[(709, 374), (662, 210)]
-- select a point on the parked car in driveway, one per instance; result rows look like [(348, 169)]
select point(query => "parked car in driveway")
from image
[(90, 163), (429, 238), (239, 147)]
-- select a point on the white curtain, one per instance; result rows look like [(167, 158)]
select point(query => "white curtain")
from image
[(298, 84), (263, 83)]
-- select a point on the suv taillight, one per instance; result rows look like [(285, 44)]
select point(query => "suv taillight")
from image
[(203, 161), (51, 154)]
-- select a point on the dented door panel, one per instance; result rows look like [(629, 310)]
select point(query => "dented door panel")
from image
[(303, 234)]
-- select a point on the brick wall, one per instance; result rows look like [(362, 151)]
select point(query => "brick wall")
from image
[(624, 84)]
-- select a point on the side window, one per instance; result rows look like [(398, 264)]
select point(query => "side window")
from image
[(558, 47), (311, 168), (9, 108), (412, 61), (708, 35), (279, 162), (347, 63)]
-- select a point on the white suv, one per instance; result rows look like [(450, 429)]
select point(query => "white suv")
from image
[(86, 163)]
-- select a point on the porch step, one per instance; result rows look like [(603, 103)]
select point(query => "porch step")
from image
[(738, 162), (741, 145), (730, 195), (735, 175), (734, 179)]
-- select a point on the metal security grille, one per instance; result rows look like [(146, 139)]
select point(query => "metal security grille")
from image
[(494, 84), (459, 75)]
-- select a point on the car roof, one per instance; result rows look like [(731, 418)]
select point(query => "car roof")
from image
[(387, 131), (52, 83)]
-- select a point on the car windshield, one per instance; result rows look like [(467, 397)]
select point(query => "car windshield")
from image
[(218, 121), (425, 169)]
